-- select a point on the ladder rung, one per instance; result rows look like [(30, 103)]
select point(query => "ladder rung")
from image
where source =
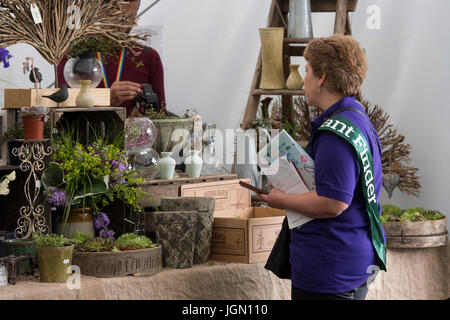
[(322, 5), (297, 40), (278, 92)]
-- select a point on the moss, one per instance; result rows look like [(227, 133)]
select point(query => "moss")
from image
[(393, 213)]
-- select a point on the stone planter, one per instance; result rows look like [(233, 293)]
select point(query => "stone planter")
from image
[(175, 231), (144, 262), (164, 130), (53, 263), (205, 220), (417, 234)]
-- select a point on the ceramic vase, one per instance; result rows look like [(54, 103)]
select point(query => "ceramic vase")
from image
[(194, 164), (79, 220), (294, 80), (84, 98), (166, 166), (272, 75), (300, 20)]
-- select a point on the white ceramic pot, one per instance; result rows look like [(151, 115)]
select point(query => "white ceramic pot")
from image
[(166, 166), (194, 164)]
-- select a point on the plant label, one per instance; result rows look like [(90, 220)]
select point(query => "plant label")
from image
[(36, 14)]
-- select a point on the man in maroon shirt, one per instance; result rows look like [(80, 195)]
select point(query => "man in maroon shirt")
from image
[(145, 67)]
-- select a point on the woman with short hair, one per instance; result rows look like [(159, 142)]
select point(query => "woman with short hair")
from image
[(333, 256)]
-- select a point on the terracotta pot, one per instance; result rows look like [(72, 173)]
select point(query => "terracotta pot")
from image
[(79, 220), (33, 127)]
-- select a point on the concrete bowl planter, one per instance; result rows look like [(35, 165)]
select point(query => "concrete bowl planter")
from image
[(141, 262), (416, 234)]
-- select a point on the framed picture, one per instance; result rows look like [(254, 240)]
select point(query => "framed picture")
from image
[(3, 144)]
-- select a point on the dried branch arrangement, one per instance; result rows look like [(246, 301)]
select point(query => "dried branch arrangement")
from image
[(396, 154), (64, 21)]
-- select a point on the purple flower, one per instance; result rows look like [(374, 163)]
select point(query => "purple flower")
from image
[(4, 57), (105, 233), (122, 168), (114, 163), (58, 197), (101, 221)]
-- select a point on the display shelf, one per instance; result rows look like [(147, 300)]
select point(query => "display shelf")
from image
[(8, 167), (278, 92)]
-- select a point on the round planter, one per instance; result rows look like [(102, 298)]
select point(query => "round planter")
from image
[(164, 130), (33, 127), (417, 234), (79, 220), (53, 263), (143, 262)]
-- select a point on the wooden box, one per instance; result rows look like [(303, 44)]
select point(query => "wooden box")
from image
[(241, 233), (157, 188), (18, 98)]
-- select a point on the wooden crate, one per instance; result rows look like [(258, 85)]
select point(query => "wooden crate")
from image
[(241, 233), (18, 98), (156, 189)]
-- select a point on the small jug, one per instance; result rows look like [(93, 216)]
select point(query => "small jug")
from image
[(166, 166), (294, 81)]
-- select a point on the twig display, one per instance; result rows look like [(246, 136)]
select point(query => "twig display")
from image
[(396, 154), (64, 21)]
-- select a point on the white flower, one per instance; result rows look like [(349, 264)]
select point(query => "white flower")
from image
[(4, 187), (11, 176)]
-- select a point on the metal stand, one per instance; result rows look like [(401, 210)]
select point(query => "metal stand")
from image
[(31, 154)]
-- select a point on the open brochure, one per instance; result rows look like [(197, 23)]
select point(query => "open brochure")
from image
[(283, 175), (284, 145)]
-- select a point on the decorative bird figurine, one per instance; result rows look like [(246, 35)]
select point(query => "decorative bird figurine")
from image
[(59, 96), (38, 75)]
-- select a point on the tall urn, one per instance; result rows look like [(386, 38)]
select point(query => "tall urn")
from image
[(272, 76)]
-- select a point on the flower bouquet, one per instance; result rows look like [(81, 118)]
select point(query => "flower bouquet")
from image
[(89, 177)]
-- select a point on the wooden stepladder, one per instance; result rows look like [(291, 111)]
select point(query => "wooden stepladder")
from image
[(292, 47)]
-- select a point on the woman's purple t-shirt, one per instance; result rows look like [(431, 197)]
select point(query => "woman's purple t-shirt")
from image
[(333, 255)]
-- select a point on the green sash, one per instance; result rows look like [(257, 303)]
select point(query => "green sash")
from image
[(349, 132)]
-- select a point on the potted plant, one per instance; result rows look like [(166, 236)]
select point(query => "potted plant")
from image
[(84, 180), (130, 254), (166, 125), (413, 227), (33, 119), (54, 255)]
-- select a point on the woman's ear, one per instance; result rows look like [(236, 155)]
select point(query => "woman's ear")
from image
[(322, 79)]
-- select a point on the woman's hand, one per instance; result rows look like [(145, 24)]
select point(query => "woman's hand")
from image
[(274, 198), (122, 91)]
